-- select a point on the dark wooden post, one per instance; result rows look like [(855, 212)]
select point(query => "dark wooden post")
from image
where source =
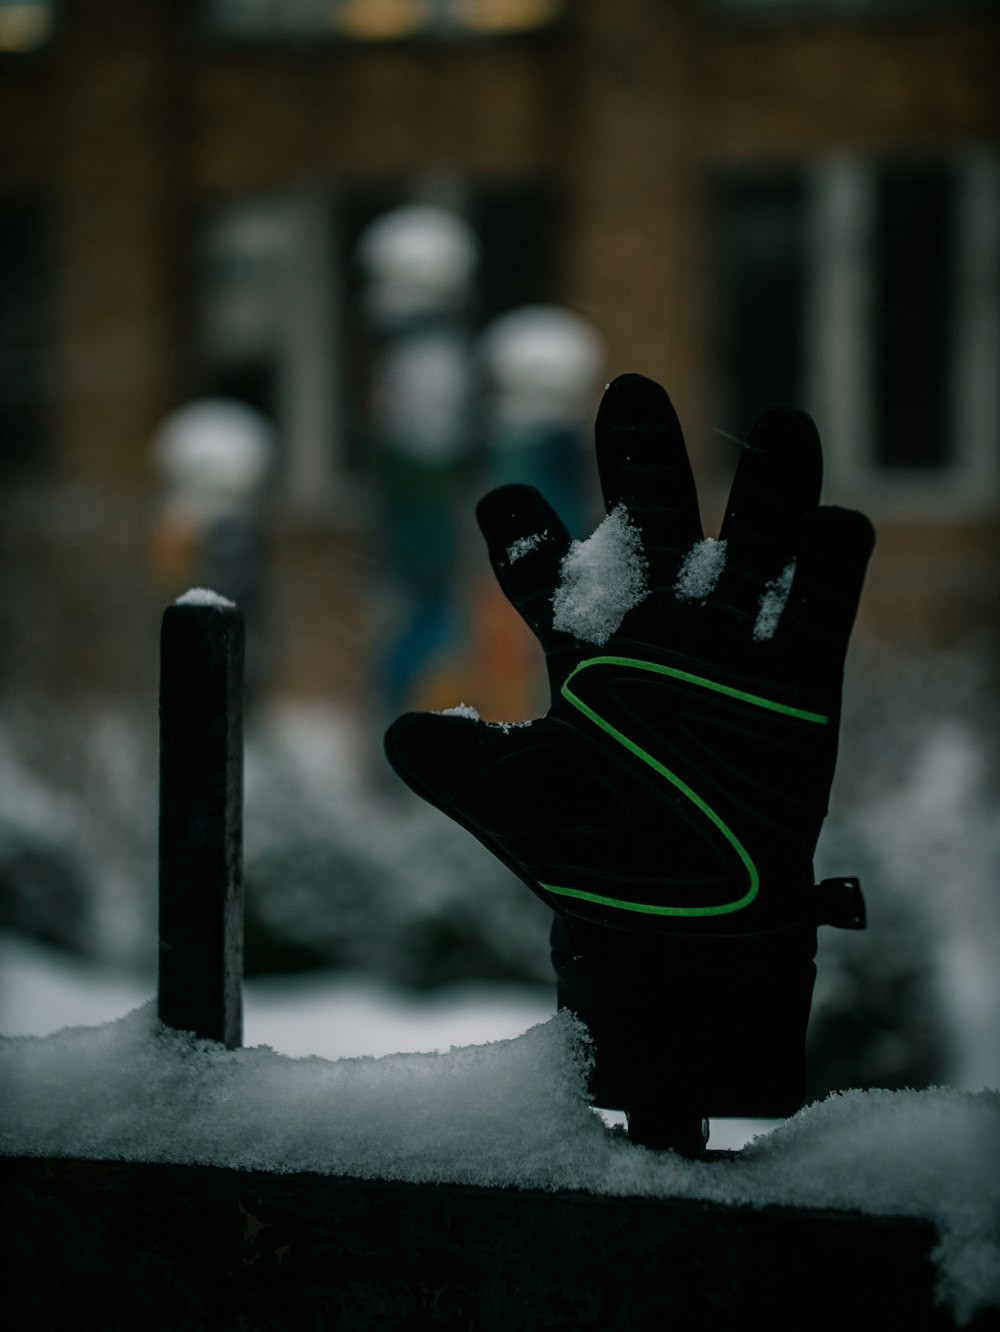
[(201, 818)]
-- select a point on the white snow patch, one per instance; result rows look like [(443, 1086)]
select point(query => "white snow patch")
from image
[(700, 569), (42, 989), (601, 579), (465, 710), (203, 596), (134, 1090), (513, 1113), (524, 546), (772, 602)]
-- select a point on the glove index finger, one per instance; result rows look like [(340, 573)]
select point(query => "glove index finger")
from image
[(526, 541)]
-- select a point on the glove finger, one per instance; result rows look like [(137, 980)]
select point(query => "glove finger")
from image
[(643, 464), (526, 541), (829, 573), (777, 483)]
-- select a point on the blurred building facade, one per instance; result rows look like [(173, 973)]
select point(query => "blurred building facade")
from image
[(751, 200)]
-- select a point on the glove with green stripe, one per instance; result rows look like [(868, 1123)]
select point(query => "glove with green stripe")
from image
[(667, 806)]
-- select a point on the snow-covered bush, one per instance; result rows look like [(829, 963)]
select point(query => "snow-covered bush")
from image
[(349, 871), (915, 999)]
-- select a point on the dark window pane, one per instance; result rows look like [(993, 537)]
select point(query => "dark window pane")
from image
[(913, 278), (760, 272), (250, 382), (513, 224), (23, 322)]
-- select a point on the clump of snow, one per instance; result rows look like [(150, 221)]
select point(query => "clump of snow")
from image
[(203, 596), (524, 546), (701, 569), (772, 602), (513, 1113), (601, 579), (469, 712), (461, 710), (932, 1154), (506, 1113)]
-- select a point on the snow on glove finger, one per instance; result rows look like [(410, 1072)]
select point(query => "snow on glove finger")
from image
[(527, 542)]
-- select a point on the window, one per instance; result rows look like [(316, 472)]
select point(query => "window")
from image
[(25, 25), (912, 246), (869, 293), (783, 8), (272, 314), (761, 240), (375, 20)]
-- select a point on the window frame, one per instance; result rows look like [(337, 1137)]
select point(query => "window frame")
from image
[(837, 318), (839, 329)]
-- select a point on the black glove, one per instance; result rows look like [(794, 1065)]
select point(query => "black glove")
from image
[(667, 806)]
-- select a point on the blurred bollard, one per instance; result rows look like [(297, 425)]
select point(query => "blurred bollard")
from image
[(201, 818)]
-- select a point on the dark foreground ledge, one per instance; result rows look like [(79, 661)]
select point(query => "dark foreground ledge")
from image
[(94, 1245)]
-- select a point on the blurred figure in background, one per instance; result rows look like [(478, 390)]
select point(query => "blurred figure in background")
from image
[(541, 365), (419, 261)]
